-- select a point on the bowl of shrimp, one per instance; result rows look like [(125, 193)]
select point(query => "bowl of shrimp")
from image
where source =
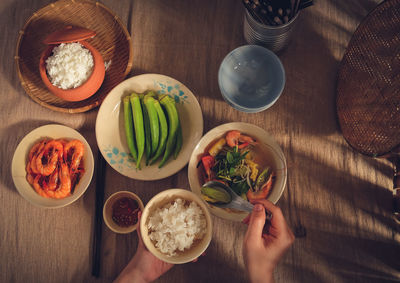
[(52, 166), (243, 157)]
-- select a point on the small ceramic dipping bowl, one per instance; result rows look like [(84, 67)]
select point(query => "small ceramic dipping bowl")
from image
[(121, 207), (251, 78), (68, 35)]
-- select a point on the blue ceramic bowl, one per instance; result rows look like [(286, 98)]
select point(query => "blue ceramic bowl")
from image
[(251, 78)]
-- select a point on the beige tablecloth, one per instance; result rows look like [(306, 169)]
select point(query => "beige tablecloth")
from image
[(341, 199)]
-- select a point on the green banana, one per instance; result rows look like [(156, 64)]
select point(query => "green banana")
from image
[(139, 126), (173, 123), (163, 131), (179, 141), (151, 93), (147, 137), (130, 139), (153, 121)]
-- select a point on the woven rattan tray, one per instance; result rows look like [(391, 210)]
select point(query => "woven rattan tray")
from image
[(112, 41), (368, 87)]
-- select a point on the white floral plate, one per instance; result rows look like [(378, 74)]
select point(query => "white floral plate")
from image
[(110, 131), (20, 160)]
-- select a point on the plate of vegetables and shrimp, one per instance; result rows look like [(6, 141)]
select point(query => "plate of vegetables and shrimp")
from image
[(52, 166), (243, 157)]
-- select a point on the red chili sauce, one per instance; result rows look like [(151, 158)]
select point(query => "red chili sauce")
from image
[(125, 212)]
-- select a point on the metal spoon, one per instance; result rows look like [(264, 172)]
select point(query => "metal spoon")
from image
[(236, 201)]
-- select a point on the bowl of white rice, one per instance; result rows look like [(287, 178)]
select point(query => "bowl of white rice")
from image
[(176, 226), (72, 70)]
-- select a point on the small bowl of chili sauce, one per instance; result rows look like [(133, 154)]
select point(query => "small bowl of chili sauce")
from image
[(120, 212)]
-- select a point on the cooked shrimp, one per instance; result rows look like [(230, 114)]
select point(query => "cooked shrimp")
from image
[(34, 149), (73, 153), (53, 180), (76, 177), (52, 151), (50, 172), (38, 184), (234, 137), (64, 188), (30, 176), (33, 155), (62, 141)]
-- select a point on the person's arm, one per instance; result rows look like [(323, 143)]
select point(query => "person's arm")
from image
[(262, 252), (144, 267)]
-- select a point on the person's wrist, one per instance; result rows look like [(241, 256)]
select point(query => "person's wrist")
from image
[(134, 276), (266, 276), (262, 274)]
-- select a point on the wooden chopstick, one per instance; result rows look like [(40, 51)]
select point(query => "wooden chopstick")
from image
[(100, 178), (253, 10), (272, 12), (305, 3)]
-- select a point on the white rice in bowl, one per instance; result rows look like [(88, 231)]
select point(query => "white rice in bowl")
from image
[(70, 65), (176, 226)]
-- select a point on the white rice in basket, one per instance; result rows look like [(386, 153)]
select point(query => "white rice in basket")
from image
[(70, 65), (175, 226)]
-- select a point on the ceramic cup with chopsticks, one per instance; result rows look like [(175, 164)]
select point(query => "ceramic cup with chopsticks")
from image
[(269, 24)]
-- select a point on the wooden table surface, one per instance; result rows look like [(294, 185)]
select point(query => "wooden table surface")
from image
[(339, 197)]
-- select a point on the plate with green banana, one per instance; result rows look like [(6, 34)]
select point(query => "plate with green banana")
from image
[(148, 126)]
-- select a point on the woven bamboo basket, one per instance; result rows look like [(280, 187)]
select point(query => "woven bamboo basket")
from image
[(112, 40), (368, 87)]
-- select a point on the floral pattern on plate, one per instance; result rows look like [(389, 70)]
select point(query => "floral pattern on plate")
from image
[(173, 90), (119, 158)]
